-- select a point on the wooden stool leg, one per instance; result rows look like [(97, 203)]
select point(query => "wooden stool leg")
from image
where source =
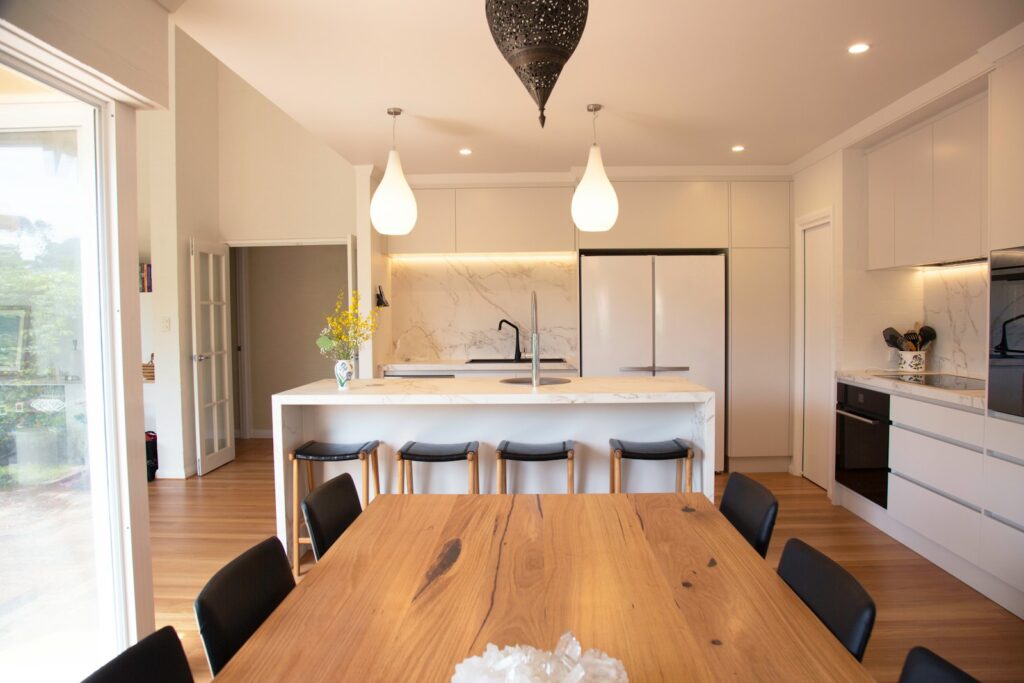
[(679, 475), (618, 471), (310, 483), (401, 473), (295, 515), (611, 472), (408, 473), (376, 473), (502, 486), (571, 473), (689, 471), (474, 473), (365, 460)]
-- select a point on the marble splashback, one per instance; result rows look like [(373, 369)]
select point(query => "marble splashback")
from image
[(956, 305), (449, 308)]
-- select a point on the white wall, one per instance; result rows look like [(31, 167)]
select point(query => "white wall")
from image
[(124, 40)]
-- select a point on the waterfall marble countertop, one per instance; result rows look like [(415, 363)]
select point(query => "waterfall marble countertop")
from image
[(489, 390), (441, 367), (872, 379)]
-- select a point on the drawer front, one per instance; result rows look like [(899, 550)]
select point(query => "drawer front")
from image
[(1005, 437), (949, 524), (951, 469), (950, 423), (1002, 552), (1004, 489)]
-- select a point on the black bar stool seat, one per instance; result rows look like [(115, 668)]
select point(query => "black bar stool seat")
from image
[(536, 452), (671, 449), (320, 451), (419, 451)]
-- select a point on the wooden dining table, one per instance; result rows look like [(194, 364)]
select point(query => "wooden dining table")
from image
[(663, 582)]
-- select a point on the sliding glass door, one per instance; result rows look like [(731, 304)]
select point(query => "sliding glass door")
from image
[(61, 583)]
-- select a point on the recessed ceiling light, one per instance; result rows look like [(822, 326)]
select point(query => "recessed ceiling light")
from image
[(738, 148), (465, 151), (858, 48)]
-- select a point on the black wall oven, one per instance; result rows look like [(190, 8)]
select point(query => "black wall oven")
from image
[(862, 442), (1006, 332)]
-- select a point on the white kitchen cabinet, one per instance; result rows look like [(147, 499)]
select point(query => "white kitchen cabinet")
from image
[(1002, 549), (760, 214), (944, 466), (912, 198), (759, 340), (1006, 160), (881, 207), (959, 148), (666, 215), (949, 423), (948, 523), (434, 232), (513, 219), (1004, 484)]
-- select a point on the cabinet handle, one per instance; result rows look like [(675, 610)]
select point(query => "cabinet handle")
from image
[(200, 357), (857, 417), (637, 368), (671, 368)]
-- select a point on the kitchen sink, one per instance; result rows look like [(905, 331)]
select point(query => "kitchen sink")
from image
[(512, 360), (543, 380)]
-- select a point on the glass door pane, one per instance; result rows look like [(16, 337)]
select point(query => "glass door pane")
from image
[(58, 573)]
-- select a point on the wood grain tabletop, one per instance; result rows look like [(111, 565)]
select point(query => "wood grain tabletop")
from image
[(660, 581)]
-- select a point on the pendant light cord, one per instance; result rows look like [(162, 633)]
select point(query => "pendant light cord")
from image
[(394, 126), (595, 128)]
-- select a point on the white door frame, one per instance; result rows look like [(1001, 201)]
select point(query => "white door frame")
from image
[(815, 219), (246, 430)]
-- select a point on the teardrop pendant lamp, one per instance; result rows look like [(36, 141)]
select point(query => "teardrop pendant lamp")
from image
[(595, 206), (393, 206)]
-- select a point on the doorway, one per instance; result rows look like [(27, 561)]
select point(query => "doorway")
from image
[(818, 357)]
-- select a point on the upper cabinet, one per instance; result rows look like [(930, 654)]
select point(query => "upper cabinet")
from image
[(511, 219), (1006, 190), (926, 192), (666, 215), (760, 214), (434, 232)]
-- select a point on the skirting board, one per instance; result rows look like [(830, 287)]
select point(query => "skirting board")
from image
[(262, 434), (767, 464), (975, 577)]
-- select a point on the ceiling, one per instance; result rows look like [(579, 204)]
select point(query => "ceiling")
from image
[(681, 81)]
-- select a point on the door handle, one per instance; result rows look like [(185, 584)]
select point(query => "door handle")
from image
[(637, 368), (200, 357), (671, 368), (856, 417)]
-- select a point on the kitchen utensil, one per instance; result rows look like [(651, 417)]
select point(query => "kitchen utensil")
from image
[(927, 336), (892, 337), (912, 338)]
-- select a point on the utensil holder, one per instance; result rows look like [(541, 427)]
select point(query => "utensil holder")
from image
[(911, 361)]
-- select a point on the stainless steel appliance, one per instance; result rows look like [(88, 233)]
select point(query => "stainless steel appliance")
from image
[(1006, 332), (862, 442)]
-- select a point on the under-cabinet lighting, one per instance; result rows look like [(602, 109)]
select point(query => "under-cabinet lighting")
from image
[(551, 257), (974, 265)]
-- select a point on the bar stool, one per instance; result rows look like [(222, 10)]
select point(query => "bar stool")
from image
[(675, 449), (316, 451), (415, 451), (536, 452)]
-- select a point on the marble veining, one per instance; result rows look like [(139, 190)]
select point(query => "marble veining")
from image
[(449, 308), (956, 305)]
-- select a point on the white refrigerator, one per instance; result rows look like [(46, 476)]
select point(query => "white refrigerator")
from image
[(656, 315)]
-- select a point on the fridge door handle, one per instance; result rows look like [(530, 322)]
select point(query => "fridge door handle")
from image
[(671, 368), (637, 368)]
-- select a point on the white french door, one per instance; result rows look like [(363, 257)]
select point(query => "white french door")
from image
[(818, 372), (211, 356)]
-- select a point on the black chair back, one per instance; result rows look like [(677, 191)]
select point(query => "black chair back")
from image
[(831, 592), (752, 509), (924, 666), (239, 597), (329, 510), (157, 658)]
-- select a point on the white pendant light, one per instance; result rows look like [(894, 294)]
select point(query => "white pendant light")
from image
[(595, 206), (393, 207)]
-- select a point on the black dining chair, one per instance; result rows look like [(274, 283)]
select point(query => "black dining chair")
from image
[(239, 597), (751, 509), (831, 592), (330, 509), (924, 666), (157, 658)]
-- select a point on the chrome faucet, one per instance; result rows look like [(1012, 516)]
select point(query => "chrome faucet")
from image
[(535, 342)]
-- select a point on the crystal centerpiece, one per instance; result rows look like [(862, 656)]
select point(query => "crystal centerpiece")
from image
[(568, 663)]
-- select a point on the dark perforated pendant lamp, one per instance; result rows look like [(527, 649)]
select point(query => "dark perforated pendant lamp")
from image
[(537, 37)]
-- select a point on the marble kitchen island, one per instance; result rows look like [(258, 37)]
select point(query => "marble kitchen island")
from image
[(588, 410)]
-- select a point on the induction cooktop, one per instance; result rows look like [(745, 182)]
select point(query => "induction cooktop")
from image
[(940, 380)]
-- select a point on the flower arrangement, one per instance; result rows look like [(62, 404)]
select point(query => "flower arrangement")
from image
[(346, 330)]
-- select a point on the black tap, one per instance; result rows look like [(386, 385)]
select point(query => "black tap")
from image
[(502, 323)]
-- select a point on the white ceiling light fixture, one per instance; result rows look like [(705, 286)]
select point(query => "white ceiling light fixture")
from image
[(595, 206), (465, 151), (738, 148), (393, 207), (858, 48)]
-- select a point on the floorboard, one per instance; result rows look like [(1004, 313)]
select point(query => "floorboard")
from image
[(199, 524)]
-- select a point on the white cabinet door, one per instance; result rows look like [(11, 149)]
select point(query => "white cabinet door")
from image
[(881, 207), (912, 197), (760, 214), (1006, 165), (666, 215), (514, 219), (434, 232), (759, 357), (960, 166), (689, 327), (616, 306)]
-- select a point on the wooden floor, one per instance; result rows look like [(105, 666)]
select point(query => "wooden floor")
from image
[(199, 524)]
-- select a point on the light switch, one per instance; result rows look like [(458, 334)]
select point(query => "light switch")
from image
[(165, 324)]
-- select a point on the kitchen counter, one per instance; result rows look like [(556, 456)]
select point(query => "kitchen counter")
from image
[(870, 379)]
